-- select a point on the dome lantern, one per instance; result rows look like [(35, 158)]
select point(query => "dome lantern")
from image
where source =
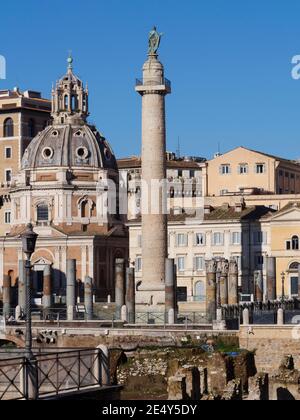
[(69, 99)]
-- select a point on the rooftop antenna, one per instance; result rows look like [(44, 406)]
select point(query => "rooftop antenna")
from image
[(178, 148)]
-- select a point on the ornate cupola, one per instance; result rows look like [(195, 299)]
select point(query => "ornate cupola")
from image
[(70, 99)]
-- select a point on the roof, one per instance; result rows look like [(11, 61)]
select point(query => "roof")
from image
[(74, 230), (69, 146), (281, 159), (230, 213), (222, 214), (135, 162), (289, 206)]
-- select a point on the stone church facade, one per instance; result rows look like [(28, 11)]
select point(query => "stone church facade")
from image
[(62, 190)]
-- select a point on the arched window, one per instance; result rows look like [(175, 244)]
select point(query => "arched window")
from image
[(74, 103), (295, 243), (42, 213), (294, 266), (84, 209), (31, 128), (200, 291), (8, 128), (66, 102)]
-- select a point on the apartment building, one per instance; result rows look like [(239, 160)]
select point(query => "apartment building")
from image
[(22, 116)]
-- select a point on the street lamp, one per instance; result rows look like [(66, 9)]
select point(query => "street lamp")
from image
[(282, 285), (29, 238), (219, 273)]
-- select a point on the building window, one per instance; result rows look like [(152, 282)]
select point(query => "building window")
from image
[(260, 168), (294, 286), (223, 192), (180, 173), (192, 174), (181, 239), (199, 263), (8, 175), (200, 292), (8, 128), (243, 169), (8, 152), (236, 238), (181, 264), (181, 294), (42, 213), (259, 262), (74, 103), (260, 238), (225, 169), (293, 244), (218, 239), (31, 128), (66, 102), (7, 217), (138, 264), (84, 209), (200, 239)]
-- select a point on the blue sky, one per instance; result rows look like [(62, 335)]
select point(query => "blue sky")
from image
[(229, 62)]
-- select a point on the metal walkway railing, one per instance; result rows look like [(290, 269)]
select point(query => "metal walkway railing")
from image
[(53, 374)]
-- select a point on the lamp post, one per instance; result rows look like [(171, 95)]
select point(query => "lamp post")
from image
[(219, 273), (29, 238), (282, 285)]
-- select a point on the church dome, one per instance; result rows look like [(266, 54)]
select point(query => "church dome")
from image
[(69, 146), (69, 141)]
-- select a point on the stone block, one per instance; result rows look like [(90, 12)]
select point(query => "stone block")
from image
[(177, 388), (259, 387), (233, 391)]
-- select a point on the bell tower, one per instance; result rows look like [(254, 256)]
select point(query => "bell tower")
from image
[(70, 99)]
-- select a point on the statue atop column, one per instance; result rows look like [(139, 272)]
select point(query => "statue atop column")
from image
[(154, 41)]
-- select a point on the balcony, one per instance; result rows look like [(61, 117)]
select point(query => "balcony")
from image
[(163, 82)]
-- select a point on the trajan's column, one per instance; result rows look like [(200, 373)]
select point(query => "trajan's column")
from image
[(153, 89)]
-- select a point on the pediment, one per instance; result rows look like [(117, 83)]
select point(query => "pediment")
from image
[(42, 261), (292, 214), (48, 231)]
